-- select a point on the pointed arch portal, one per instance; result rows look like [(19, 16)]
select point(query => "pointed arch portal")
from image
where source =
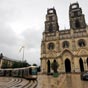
[(67, 66), (48, 66), (81, 65), (87, 62)]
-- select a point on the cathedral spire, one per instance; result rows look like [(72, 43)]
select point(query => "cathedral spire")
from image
[(77, 18), (51, 23)]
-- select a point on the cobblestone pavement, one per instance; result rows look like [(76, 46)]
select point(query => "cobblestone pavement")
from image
[(74, 81)]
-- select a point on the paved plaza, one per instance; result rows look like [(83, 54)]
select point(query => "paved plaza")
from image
[(44, 81), (10, 82), (74, 81)]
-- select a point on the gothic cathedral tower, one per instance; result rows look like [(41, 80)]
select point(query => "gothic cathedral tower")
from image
[(77, 19), (51, 23), (69, 47), (49, 45)]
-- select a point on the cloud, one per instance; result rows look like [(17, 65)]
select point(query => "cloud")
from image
[(32, 37), (10, 44), (7, 36), (9, 11), (27, 17), (32, 43), (32, 56)]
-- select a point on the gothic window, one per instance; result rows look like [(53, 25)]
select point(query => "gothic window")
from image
[(79, 13), (76, 13), (51, 46), (72, 14), (74, 6), (43, 48), (50, 28), (77, 24), (81, 43), (50, 11), (50, 18), (65, 44)]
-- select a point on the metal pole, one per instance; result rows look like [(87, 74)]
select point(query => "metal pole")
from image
[(23, 54)]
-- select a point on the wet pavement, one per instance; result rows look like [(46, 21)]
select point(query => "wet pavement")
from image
[(63, 81), (45, 81), (13, 82), (74, 81)]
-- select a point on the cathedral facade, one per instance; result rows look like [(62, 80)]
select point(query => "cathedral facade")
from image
[(69, 47)]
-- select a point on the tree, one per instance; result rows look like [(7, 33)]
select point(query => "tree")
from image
[(5, 64), (25, 64), (55, 66), (15, 64), (1, 56), (20, 64), (34, 64)]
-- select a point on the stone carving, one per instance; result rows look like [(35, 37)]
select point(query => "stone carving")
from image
[(82, 52)]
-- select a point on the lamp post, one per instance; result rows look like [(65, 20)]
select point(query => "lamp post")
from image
[(22, 48), (23, 54)]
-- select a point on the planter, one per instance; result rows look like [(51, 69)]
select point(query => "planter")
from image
[(55, 74)]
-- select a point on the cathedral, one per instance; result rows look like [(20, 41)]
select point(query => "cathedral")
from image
[(69, 47)]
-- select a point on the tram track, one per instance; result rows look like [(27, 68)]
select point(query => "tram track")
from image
[(35, 84), (13, 82), (30, 85)]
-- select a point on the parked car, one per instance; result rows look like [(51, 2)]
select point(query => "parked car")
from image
[(84, 76)]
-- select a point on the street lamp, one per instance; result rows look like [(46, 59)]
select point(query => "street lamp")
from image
[(22, 48)]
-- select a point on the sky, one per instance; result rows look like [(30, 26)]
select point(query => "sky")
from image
[(22, 24)]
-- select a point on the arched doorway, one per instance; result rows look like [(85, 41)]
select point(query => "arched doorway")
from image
[(87, 62), (81, 65), (67, 66), (48, 66)]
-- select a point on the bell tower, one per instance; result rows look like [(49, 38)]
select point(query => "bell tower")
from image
[(51, 31), (49, 45), (51, 23), (77, 18)]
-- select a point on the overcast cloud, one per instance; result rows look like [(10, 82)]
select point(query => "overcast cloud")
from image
[(22, 23)]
